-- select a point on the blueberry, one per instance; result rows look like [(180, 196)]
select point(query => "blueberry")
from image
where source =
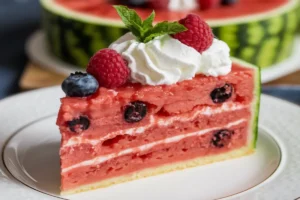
[(80, 85), (222, 138), (228, 2), (137, 3), (221, 94), (79, 125), (135, 111)]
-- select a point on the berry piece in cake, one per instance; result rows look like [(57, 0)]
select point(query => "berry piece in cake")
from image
[(199, 35), (228, 2), (158, 4), (109, 68), (136, 3), (135, 111), (79, 125), (221, 138), (208, 4), (80, 85), (221, 94)]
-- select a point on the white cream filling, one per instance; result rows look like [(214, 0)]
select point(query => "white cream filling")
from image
[(100, 159), (77, 140)]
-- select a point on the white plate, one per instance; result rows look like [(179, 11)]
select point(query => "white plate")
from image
[(37, 51), (36, 164), (29, 168)]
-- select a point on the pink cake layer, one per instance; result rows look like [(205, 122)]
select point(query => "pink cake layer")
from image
[(85, 149), (185, 149), (106, 149), (105, 108)]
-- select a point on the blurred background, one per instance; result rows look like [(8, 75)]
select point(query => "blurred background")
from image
[(39, 48)]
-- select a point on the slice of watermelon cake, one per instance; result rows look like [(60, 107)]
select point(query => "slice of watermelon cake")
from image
[(161, 98)]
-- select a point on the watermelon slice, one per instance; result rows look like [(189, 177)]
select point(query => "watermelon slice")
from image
[(258, 31)]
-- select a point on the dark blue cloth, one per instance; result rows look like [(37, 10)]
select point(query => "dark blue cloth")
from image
[(289, 93), (19, 18)]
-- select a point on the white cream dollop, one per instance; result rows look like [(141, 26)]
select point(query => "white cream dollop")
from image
[(165, 60)]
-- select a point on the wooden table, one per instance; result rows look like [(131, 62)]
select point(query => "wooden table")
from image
[(35, 77)]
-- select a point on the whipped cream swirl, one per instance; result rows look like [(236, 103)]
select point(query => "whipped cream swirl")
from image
[(165, 60)]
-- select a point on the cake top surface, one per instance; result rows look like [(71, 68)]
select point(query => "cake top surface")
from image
[(164, 53)]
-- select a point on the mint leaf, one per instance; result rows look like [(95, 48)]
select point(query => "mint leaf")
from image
[(163, 28), (147, 24), (131, 20), (144, 30)]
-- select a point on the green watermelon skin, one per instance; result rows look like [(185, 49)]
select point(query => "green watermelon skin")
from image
[(74, 41), (299, 18), (261, 42)]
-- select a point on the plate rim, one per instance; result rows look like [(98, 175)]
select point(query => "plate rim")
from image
[(42, 94), (2, 155), (263, 130)]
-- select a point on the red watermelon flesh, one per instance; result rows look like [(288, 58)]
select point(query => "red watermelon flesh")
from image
[(104, 9)]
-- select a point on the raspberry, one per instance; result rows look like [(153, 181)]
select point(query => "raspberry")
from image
[(207, 4), (199, 35), (158, 4), (109, 68)]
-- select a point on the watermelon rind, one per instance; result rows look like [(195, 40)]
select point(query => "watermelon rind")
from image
[(262, 39), (256, 100), (263, 42), (299, 17)]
